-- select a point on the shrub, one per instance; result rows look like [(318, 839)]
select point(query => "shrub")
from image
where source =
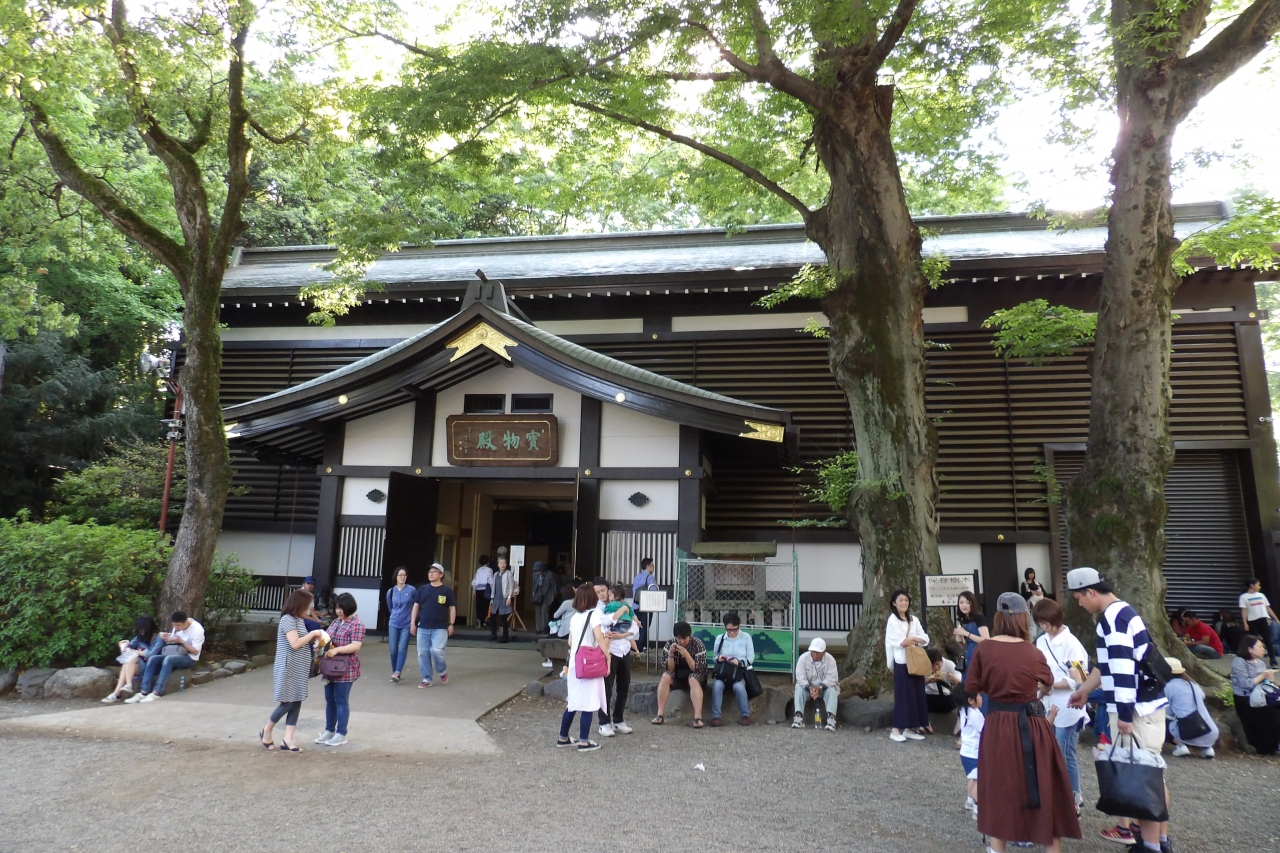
[(228, 581), (70, 592), (123, 488)]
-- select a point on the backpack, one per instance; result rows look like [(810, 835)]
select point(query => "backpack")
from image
[(1153, 674)]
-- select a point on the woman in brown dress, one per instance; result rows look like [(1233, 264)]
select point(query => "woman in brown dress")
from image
[(1031, 785)]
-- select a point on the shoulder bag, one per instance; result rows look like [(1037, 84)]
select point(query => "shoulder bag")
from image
[(589, 661), (335, 667), (918, 662), (753, 683), (729, 673), (1264, 695)]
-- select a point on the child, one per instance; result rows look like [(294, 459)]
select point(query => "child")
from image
[(971, 722), (620, 612)]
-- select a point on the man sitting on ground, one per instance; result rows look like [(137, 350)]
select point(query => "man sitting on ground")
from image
[(940, 684), (1202, 641), (181, 651), (684, 664), (817, 678)]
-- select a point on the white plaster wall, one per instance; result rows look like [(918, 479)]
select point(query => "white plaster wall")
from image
[(354, 501), (340, 332), (631, 439), (269, 553), (567, 406), (794, 320), (961, 559), (382, 439), (366, 606), (663, 505), (827, 566), (1035, 555), (617, 326)]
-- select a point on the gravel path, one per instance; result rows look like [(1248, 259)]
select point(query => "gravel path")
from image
[(766, 788)]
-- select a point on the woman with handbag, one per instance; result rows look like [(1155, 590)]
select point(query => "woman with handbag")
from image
[(903, 638), (1022, 776), (340, 667), (1190, 723), (503, 590), (587, 668), (734, 654), (1249, 671), (292, 668)]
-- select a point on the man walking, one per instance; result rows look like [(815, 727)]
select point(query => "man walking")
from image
[(1122, 644), (434, 609), (1258, 616)]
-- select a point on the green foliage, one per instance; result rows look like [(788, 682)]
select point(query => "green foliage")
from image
[(69, 592), (228, 581), (1247, 238), (1046, 476), (124, 488), (813, 281), (1039, 332), (837, 478)]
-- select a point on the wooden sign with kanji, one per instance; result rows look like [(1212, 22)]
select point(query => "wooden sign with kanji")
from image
[(515, 440)]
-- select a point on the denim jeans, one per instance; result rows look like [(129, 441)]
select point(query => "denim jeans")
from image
[(156, 675), (717, 697), (1205, 652), (337, 706), (431, 643), (1099, 698), (1067, 737), (398, 638)]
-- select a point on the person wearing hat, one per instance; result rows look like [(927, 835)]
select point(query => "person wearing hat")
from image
[(434, 610), (817, 678), (1020, 766), (1121, 645), (318, 614), (1186, 702)]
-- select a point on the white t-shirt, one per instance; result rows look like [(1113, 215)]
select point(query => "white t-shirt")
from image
[(193, 636), (1255, 605), (947, 673), (971, 723), (1059, 652)]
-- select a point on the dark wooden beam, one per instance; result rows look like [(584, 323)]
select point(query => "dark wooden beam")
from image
[(586, 509), (424, 427), (689, 498), (324, 563)]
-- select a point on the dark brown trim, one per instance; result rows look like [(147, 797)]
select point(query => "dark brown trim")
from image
[(328, 472), (830, 597), (689, 500), (328, 531), (586, 509), (782, 535), (644, 473), (1260, 476), (356, 583), (424, 428), (246, 525), (992, 537), (606, 525), (364, 521)]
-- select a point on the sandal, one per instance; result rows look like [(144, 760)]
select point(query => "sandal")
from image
[(658, 720), (262, 739), (697, 723), (285, 746)]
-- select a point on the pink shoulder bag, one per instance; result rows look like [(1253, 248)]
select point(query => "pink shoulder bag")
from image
[(589, 661)]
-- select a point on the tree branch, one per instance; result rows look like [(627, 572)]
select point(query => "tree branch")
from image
[(100, 194), (714, 153), (893, 31), (296, 136), (684, 76), (231, 225), (770, 69), (1234, 46)]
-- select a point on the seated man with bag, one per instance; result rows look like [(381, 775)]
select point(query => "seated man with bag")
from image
[(181, 651), (734, 654), (817, 678), (684, 664), (940, 683)]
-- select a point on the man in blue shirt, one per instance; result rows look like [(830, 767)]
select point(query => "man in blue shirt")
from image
[(643, 580)]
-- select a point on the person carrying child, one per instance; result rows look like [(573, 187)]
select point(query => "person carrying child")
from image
[(620, 614)]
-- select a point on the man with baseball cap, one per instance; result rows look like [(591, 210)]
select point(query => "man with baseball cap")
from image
[(1122, 644), (817, 678), (435, 608)]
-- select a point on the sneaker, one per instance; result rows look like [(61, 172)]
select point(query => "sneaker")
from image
[(606, 730), (110, 699), (336, 740), (444, 678), (587, 746), (134, 699), (1181, 750), (1118, 834), (913, 735), (150, 697), (831, 725), (324, 737), (798, 721), (1208, 753), (622, 728), (566, 742), (547, 664), (424, 683), (897, 738)]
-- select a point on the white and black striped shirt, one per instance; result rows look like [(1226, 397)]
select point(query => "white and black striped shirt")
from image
[(1122, 643)]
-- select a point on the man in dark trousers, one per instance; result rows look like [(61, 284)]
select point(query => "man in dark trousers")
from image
[(545, 588)]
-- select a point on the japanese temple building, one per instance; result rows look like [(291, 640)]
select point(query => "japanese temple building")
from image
[(599, 398)]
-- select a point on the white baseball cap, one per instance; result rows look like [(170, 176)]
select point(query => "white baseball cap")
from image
[(818, 645), (1082, 577)]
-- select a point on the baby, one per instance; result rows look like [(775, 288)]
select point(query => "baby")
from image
[(620, 611)]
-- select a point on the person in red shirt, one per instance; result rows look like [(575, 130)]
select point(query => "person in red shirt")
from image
[(1201, 640)]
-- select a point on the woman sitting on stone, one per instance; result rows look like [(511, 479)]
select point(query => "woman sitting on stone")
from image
[(145, 643)]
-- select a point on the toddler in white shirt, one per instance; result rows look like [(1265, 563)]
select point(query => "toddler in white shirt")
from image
[(971, 722)]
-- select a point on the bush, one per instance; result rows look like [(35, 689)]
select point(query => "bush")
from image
[(70, 592), (228, 581), (123, 488)]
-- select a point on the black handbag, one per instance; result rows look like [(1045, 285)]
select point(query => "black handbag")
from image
[(1192, 726), (753, 683), (1130, 789), (729, 673)]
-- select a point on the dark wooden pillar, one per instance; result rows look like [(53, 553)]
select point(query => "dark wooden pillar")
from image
[(424, 428), (324, 564), (1000, 573), (586, 509), (689, 529), (1258, 473)]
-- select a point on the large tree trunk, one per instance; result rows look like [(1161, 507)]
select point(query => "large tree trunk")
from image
[(878, 357), (208, 463), (1115, 506)]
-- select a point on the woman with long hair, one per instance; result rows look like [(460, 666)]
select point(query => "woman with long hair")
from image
[(971, 625), (586, 696), (910, 707), (292, 668), (1022, 776), (146, 641)]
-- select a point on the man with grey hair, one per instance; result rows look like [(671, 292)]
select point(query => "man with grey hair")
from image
[(817, 678)]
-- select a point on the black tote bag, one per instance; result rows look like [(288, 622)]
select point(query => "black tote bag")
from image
[(1130, 789)]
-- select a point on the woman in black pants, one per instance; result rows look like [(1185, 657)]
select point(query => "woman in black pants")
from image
[(617, 684)]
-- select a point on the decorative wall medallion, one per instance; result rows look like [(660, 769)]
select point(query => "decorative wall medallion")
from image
[(764, 432), (639, 499), (376, 495), (481, 335)]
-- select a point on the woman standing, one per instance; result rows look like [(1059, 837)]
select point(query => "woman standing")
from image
[(1029, 584), (972, 625), (586, 696), (1020, 765), (292, 668), (145, 643), (910, 708), (1186, 700), (400, 606), (1248, 670), (347, 635), (502, 601), (1067, 662)]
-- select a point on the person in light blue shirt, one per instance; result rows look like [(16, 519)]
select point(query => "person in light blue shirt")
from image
[(732, 653), (400, 606), (642, 581)]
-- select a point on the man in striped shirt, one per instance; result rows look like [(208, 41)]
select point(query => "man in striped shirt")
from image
[(1122, 643)]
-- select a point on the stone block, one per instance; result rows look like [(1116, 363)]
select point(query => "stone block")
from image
[(556, 689), (865, 713), (201, 678), (8, 681), (235, 667), (533, 689), (261, 661), (222, 673), (31, 683), (643, 704), (773, 704), (80, 682), (555, 649)]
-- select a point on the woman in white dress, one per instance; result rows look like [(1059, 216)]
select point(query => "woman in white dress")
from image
[(586, 695)]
